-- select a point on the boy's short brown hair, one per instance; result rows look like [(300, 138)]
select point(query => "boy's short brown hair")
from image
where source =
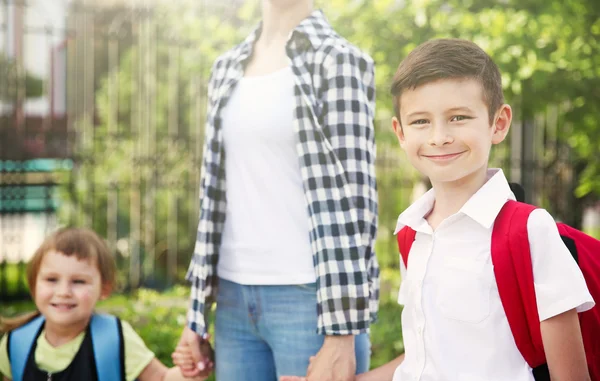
[(449, 59)]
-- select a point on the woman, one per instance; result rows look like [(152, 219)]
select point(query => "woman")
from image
[(288, 210)]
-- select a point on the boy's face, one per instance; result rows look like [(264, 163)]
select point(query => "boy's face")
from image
[(67, 290), (444, 129)]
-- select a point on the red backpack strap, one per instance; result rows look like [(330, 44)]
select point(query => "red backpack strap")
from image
[(405, 238), (513, 269)]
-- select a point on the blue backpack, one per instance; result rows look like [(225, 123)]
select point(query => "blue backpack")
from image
[(107, 341)]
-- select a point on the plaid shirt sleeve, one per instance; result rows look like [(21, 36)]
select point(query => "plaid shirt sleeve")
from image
[(197, 274), (348, 274)]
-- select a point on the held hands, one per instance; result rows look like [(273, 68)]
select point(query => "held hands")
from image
[(182, 358), (194, 355), (335, 361)]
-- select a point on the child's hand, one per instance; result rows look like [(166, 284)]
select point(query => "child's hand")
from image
[(181, 377), (182, 357), (194, 355)]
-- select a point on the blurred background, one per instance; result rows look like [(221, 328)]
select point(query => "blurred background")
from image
[(102, 109)]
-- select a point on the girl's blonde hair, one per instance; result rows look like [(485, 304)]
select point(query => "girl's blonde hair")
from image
[(84, 244)]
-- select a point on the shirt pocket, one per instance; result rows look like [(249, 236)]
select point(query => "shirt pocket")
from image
[(464, 288)]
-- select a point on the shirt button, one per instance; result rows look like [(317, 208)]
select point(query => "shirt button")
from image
[(420, 330)]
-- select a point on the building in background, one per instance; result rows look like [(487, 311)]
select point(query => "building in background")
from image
[(33, 121)]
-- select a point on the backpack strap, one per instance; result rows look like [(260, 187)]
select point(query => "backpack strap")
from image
[(107, 336), (511, 257), (405, 238), (19, 346)]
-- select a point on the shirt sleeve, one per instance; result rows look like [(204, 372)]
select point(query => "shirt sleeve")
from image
[(137, 355), (348, 105), (559, 283), (201, 273), (4, 362), (348, 122)]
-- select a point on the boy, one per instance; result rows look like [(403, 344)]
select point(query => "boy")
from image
[(449, 111)]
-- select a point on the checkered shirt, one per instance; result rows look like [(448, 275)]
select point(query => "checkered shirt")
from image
[(334, 97)]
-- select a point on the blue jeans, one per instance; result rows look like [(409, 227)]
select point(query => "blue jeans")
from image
[(264, 332)]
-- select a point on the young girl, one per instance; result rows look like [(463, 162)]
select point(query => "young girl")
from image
[(71, 271)]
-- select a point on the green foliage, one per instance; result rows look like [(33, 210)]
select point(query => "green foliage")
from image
[(146, 149), (151, 106), (15, 79), (13, 276), (386, 334), (548, 52)]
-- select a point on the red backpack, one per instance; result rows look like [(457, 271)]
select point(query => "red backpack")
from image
[(514, 276)]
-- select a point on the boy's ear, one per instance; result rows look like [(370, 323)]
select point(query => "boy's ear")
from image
[(501, 124), (397, 127)]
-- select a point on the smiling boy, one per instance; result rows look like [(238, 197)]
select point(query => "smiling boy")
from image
[(449, 111)]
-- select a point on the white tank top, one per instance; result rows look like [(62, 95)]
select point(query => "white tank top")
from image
[(266, 235)]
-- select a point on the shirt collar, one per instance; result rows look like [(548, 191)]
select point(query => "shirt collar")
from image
[(315, 28), (483, 207), (414, 215)]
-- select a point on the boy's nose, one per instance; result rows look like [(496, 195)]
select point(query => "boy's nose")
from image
[(63, 289), (439, 135)]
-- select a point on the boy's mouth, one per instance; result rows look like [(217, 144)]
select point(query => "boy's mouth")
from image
[(63, 306), (442, 157)]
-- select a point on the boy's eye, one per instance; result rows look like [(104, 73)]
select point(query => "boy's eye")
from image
[(458, 118), (51, 279), (79, 281), (420, 121)]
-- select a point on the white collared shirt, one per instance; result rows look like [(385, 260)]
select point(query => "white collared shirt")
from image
[(453, 323)]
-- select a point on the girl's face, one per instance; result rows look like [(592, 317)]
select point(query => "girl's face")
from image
[(67, 290)]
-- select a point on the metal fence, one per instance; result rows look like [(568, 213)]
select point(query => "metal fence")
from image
[(123, 154), (118, 144)]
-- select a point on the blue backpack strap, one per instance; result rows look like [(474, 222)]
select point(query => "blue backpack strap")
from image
[(20, 343), (108, 347)]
